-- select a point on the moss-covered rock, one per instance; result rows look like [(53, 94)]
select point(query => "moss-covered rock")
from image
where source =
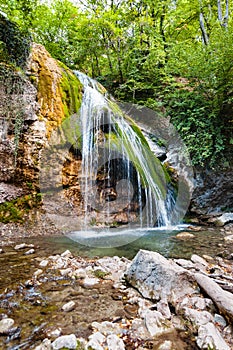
[(58, 89), (33, 104)]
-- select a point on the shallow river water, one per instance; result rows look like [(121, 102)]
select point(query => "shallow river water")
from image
[(37, 309)]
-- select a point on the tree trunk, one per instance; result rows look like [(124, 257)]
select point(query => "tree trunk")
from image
[(203, 30), (219, 11), (225, 19)]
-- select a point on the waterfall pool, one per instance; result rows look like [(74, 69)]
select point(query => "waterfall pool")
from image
[(127, 242)]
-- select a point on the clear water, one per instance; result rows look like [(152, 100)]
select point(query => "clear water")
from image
[(209, 242)]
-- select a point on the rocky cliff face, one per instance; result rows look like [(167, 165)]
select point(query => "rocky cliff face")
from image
[(213, 193), (33, 104)]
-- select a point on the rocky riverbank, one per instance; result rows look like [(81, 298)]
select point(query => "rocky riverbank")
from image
[(113, 303)]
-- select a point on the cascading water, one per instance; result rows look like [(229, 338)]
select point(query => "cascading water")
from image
[(112, 142)]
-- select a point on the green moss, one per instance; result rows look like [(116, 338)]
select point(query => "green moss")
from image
[(100, 274), (70, 91), (15, 210)]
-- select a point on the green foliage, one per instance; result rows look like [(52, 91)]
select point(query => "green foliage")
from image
[(138, 51), (198, 124), (14, 43), (100, 274)]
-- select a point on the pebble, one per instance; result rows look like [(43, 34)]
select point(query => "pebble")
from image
[(53, 333), (80, 273), (68, 306), (45, 345), (66, 272), (43, 263), (37, 273), (65, 341), (66, 254), (30, 251), (6, 325), (23, 246), (220, 320), (89, 281)]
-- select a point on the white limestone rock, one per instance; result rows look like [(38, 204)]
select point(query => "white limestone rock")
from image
[(198, 318), (68, 306), (210, 338), (66, 254), (155, 323), (96, 341), (44, 263), (90, 281), (222, 298), (115, 343), (65, 341), (157, 277)]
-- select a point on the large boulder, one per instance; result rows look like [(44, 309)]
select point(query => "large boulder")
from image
[(158, 278)]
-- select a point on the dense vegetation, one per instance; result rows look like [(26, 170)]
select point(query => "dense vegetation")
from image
[(174, 56)]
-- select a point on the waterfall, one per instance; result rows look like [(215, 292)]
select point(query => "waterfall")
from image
[(119, 170)]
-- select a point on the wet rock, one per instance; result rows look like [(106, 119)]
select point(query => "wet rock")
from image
[(224, 219), (96, 341), (210, 338), (115, 343), (6, 325), (185, 235), (45, 345), (157, 278), (68, 306), (65, 341)]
